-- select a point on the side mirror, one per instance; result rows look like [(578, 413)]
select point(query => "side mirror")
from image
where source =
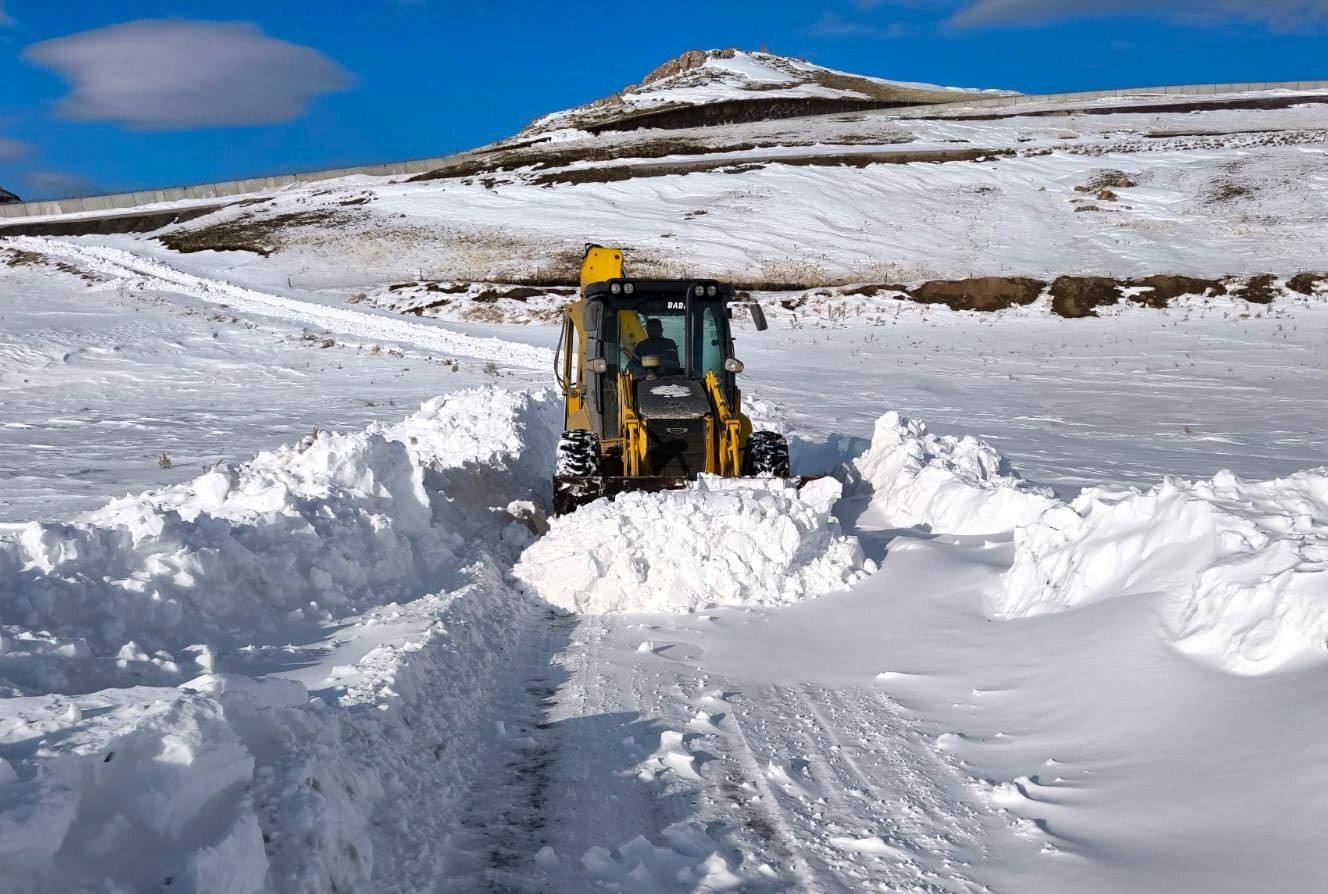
[(734, 365), (758, 317)]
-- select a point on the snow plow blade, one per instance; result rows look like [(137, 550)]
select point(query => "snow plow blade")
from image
[(571, 492)]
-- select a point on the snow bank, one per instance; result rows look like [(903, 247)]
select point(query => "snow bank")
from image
[(951, 485), (241, 782), (307, 533), (125, 776), (1243, 565), (719, 542)]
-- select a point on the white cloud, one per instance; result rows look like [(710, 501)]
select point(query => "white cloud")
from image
[(1281, 15), (12, 149), (59, 184), (831, 24), (172, 74)]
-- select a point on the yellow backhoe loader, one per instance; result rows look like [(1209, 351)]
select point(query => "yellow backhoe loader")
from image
[(647, 370)]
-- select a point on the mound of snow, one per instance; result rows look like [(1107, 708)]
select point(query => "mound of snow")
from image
[(951, 485), (127, 776), (719, 542), (237, 781), (1243, 565), (308, 533)]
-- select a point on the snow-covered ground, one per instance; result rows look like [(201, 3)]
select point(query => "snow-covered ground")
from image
[(1054, 622)]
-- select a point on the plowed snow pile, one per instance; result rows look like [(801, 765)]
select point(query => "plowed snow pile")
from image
[(305, 533), (719, 542), (195, 777), (951, 485), (1243, 564)]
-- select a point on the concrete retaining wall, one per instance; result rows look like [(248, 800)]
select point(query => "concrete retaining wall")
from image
[(252, 185)]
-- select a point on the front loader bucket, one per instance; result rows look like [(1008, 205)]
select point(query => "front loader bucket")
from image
[(570, 492)]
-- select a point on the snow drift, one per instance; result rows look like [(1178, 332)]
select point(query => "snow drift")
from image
[(307, 533), (1243, 565), (719, 542), (951, 485), (215, 780)]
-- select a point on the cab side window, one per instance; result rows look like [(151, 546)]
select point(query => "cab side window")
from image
[(708, 345)]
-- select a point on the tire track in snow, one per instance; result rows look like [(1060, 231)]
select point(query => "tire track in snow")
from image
[(371, 327), (776, 815), (922, 830)]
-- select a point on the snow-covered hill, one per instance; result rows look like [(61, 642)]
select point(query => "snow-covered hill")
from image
[(7, 197), (280, 608), (1206, 186), (719, 85)]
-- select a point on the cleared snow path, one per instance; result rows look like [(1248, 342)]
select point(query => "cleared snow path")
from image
[(151, 273), (632, 768)]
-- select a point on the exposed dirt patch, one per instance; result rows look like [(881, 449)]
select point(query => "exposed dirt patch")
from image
[(1078, 296), (17, 257), (452, 289), (1166, 288), (1307, 283), (1105, 181), (615, 173), (742, 111), (985, 293), (1261, 289), (1227, 191), (519, 293), (260, 235), (541, 156), (871, 291)]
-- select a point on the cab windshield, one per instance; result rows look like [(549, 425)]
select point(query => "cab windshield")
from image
[(658, 327)]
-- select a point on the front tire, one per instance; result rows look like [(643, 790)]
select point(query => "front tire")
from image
[(767, 455), (578, 458), (578, 455)]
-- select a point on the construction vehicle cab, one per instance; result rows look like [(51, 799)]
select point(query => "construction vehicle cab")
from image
[(650, 380)]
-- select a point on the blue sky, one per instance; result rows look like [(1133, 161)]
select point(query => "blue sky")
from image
[(100, 96)]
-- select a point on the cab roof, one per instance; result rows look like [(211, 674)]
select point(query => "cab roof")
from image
[(649, 287)]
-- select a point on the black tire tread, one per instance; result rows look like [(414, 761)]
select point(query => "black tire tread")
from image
[(767, 454)]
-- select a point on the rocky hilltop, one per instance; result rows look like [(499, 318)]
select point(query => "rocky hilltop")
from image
[(703, 87)]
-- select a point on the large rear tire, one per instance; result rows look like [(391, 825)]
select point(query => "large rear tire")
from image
[(767, 455)]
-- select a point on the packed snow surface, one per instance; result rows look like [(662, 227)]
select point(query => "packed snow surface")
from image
[(952, 485), (719, 542), (1242, 565)]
